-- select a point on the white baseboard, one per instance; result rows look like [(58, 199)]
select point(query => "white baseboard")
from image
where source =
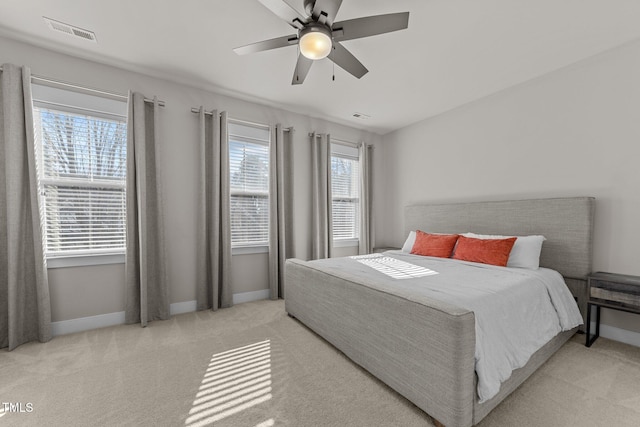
[(251, 296), (80, 324), (617, 334), (182, 307)]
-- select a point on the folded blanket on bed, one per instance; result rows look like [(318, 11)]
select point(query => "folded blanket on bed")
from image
[(517, 310)]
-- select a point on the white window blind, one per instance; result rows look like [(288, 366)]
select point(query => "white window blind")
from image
[(249, 184), (345, 192), (82, 175)]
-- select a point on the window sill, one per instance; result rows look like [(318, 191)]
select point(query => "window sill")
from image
[(85, 260), (346, 243), (248, 250)]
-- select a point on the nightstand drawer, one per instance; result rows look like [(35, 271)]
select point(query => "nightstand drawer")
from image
[(624, 297), (625, 288), (615, 290)]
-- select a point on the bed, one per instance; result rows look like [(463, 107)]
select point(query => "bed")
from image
[(425, 348)]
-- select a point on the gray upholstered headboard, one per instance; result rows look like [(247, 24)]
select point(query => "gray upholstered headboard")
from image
[(567, 223)]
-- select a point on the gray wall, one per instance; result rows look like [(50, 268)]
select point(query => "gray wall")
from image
[(88, 291), (574, 132)]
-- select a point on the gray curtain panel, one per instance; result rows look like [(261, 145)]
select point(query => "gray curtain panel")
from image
[(280, 209), (321, 219), (366, 221), (147, 289), (213, 275), (25, 310)]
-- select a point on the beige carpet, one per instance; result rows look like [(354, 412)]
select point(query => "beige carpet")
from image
[(251, 365)]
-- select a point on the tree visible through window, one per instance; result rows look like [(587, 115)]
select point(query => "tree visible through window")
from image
[(249, 184), (82, 171)]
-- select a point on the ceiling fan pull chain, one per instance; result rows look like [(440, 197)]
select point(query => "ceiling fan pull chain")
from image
[(297, 74), (333, 48)]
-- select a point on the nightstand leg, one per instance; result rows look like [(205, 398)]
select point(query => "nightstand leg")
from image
[(588, 326), (590, 339)]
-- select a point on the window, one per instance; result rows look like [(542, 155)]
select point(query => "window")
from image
[(81, 149), (249, 184), (345, 193)]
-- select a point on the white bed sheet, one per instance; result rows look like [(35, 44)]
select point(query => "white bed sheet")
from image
[(517, 310)]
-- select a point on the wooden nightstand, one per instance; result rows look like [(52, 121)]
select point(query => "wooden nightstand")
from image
[(614, 291)]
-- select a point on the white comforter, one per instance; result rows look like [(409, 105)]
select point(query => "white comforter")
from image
[(517, 310)]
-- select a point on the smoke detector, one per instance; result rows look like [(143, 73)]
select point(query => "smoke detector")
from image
[(70, 30)]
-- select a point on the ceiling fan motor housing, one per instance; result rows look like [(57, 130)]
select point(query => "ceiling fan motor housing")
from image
[(315, 40)]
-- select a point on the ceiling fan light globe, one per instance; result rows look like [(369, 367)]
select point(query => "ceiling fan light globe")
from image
[(315, 45)]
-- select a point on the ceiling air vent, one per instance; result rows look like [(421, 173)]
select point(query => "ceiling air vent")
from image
[(361, 116), (70, 30)]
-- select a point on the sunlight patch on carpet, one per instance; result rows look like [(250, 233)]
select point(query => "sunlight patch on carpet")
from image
[(234, 381), (394, 268)]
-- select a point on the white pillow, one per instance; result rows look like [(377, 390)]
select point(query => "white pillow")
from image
[(411, 240), (408, 244), (525, 252)]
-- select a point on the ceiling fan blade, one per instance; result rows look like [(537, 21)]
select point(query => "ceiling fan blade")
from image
[(370, 26), (267, 45), (286, 12), (302, 69), (345, 60), (328, 9)]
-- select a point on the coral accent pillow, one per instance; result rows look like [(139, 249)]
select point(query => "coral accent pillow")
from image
[(486, 251), (438, 245), (525, 252)]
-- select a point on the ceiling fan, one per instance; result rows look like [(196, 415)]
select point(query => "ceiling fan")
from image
[(318, 36)]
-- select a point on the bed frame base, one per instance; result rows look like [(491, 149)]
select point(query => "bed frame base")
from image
[(433, 370)]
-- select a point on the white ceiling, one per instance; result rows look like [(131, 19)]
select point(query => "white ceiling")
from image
[(454, 51)]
